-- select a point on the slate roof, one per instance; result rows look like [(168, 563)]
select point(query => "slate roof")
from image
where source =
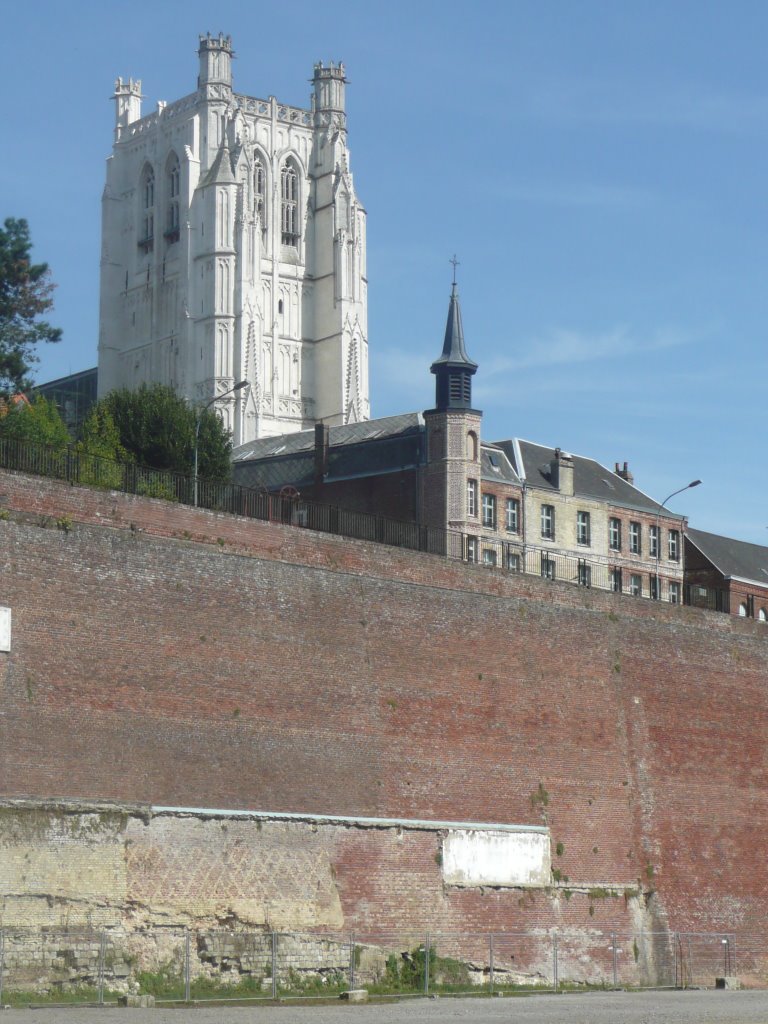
[(454, 351), (732, 557), (590, 478), (495, 465), (369, 448)]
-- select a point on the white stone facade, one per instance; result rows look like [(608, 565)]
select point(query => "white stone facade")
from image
[(233, 248)]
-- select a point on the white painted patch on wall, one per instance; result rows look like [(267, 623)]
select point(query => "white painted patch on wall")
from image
[(5, 629), (496, 858)]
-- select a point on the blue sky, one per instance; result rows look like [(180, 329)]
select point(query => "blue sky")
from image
[(598, 167)]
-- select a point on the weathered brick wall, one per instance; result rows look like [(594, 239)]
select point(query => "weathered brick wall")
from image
[(173, 656)]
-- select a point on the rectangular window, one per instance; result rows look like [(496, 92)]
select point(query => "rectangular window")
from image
[(674, 545), (635, 546), (548, 521), (547, 567), (636, 585), (582, 528), (653, 541), (471, 498), (655, 587), (489, 511), (674, 592), (489, 556), (513, 561), (472, 549), (614, 534), (584, 574), (615, 580), (513, 515)]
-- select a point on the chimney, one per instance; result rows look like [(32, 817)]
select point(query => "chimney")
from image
[(322, 441), (624, 473), (561, 472)]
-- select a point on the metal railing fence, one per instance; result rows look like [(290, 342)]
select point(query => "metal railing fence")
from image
[(291, 509), (182, 965)]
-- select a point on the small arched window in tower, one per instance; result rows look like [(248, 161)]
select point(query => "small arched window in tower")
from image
[(289, 205), (174, 190), (260, 190), (147, 232), (472, 446)]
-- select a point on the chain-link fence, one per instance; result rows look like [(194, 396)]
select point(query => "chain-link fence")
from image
[(182, 965)]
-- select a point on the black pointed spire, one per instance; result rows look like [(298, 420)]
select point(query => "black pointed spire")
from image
[(453, 368)]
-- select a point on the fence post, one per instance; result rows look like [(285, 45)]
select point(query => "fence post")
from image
[(615, 965), (274, 965), (2, 960), (426, 964), (102, 952), (554, 963), (187, 978), (490, 960), (352, 960), (674, 955)]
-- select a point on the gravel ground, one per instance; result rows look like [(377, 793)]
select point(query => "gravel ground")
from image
[(593, 1008)]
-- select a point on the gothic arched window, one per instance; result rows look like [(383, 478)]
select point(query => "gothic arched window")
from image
[(259, 189), (289, 205), (173, 176), (147, 191)]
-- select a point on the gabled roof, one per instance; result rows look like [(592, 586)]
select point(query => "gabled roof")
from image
[(349, 433), (590, 478), (732, 557), (369, 448)]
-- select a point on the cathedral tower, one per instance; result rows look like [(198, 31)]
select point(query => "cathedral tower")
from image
[(233, 248)]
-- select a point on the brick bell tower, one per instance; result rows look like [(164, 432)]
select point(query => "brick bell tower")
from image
[(453, 433)]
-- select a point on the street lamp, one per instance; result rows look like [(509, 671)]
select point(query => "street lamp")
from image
[(693, 483), (238, 387)]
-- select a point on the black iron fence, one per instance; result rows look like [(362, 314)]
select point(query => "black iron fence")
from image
[(182, 965), (291, 509)]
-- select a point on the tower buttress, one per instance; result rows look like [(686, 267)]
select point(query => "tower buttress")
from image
[(329, 83), (215, 55), (127, 97)]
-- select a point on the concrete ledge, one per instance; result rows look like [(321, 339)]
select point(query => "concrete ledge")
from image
[(355, 995), (730, 981), (133, 999)]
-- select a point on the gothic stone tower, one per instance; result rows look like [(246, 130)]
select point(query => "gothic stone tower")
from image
[(233, 248), (452, 473)]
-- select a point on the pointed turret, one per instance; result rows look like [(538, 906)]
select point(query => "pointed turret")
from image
[(453, 368)]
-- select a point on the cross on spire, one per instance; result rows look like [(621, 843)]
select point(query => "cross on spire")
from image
[(455, 264)]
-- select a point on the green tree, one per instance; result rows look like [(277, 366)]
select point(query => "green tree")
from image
[(157, 429), (25, 295), (37, 423), (101, 453)]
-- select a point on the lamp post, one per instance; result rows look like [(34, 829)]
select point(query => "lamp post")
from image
[(693, 483), (237, 387)]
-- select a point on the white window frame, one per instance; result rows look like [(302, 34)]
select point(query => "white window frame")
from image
[(489, 510), (673, 592), (654, 541), (472, 499), (614, 534), (673, 545), (548, 522), (635, 538), (513, 515), (617, 579), (472, 550), (583, 528), (489, 557), (636, 584)]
